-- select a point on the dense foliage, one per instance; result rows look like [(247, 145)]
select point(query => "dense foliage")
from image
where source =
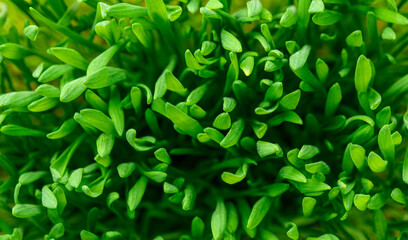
[(195, 119)]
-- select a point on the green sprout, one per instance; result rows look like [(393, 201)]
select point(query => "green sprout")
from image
[(212, 119)]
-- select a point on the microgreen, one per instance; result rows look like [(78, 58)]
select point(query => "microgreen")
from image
[(195, 119)]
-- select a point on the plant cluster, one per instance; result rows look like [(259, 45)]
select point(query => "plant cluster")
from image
[(195, 119)]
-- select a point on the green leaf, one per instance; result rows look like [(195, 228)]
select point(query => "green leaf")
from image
[(291, 46), (396, 138), (115, 110), (85, 235), (84, 124), (196, 95), (360, 201), (75, 178), (363, 74), (258, 212), (290, 17), (374, 99), (385, 143), (222, 121), (141, 34), (214, 134), (254, 8), (357, 154), (376, 163), (380, 224), (73, 90), (96, 187), (355, 39), (308, 205), (104, 144), (293, 232), (112, 197), (322, 70), (136, 193), (326, 18), (142, 144), (162, 155), (31, 32), (311, 186), (232, 218), (316, 6), (197, 227), (229, 104), (14, 51), (105, 77), (37, 72), (66, 128), (333, 100), (230, 42), (173, 84), (169, 188), (157, 176), (184, 122), (219, 220), (48, 198), (292, 156), (247, 65), (291, 173), (18, 100), (126, 169), (387, 15), (157, 10), (208, 47), (298, 59), (57, 231), (70, 56), (259, 128), (317, 167), (274, 92), (289, 116), (388, 34), (232, 178), (363, 118), (191, 62), (95, 101), (272, 66), (398, 196), (123, 10), (308, 152), (54, 72), (103, 59), (26, 210), (383, 117), (30, 177), (43, 104), (108, 30), (234, 134), (214, 4), (189, 198), (98, 119), (136, 97), (47, 90), (15, 130), (197, 112), (290, 100)]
